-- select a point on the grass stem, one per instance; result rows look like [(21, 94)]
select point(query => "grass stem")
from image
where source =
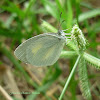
[(69, 78)]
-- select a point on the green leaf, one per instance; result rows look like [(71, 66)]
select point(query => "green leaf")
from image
[(69, 14), (30, 4), (47, 27), (62, 10), (1, 62), (89, 14), (11, 7), (86, 5), (51, 8), (9, 21), (10, 33)]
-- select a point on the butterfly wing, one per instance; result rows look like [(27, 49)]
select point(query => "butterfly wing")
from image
[(45, 51), (20, 51), (41, 50)]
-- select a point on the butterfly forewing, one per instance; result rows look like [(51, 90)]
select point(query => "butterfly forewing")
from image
[(20, 51)]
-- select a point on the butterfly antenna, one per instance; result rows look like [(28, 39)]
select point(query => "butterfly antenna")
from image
[(59, 25), (62, 22)]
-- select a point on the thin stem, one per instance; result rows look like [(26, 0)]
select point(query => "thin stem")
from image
[(69, 78)]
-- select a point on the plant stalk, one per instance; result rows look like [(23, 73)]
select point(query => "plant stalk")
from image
[(69, 78)]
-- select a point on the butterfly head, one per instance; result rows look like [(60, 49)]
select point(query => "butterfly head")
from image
[(60, 32)]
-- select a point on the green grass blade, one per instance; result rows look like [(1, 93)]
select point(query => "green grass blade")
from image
[(10, 33), (89, 14), (51, 8), (62, 9), (87, 5), (46, 27), (13, 9), (30, 4), (69, 14)]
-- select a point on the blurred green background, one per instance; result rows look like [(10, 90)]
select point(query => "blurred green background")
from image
[(22, 19)]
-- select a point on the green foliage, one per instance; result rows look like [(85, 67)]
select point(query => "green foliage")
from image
[(51, 8), (23, 21), (1, 62), (13, 9), (89, 14), (46, 27)]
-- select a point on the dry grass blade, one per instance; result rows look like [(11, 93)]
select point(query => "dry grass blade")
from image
[(10, 81), (5, 94)]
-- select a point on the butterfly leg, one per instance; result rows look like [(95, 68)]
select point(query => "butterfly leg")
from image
[(67, 33), (66, 29)]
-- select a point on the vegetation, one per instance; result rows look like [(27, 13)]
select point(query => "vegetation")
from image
[(20, 20)]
